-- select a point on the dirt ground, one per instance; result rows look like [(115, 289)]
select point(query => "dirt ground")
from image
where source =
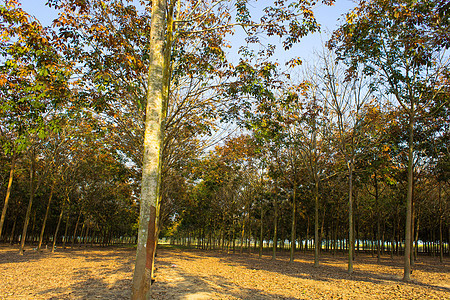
[(105, 273)]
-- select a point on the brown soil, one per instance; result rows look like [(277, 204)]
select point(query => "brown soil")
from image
[(105, 273)]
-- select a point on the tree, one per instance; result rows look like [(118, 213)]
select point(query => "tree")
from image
[(402, 42), (185, 26), (33, 83), (151, 167), (375, 164), (345, 98), (315, 142)]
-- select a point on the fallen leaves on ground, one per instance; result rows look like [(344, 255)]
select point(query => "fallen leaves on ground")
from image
[(105, 273)]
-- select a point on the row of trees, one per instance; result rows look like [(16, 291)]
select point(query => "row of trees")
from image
[(354, 151), (374, 116)]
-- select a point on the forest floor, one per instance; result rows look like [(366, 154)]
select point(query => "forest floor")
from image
[(105, 273)]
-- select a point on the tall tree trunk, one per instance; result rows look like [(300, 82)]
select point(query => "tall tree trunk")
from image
[(11, 240), (316, 221), (351, 242), (82, 233), (66, 230), (321, 233), (30, 202), (74, 237), (41, 236), (153, 138), (261, 231), (275, 227), (357, 231), (334, 234), (242, 235), (407, 267), (86, 235), (294, 205), (393, 239), (307, 234), (55, 237), (416, 247), (441, 217), (8, 192), (377, 207), (234, 235), (413, 217), (33, 227)]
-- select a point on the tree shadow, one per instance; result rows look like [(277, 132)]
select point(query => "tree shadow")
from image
[(90, 286), (185, 285), (304, 268), (332, 268), (10, 254)]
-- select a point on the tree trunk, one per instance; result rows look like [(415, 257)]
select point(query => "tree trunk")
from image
[(416, 248), (334, 237), (261, 232), (293, 224), (307, 234), (393, 239), (55, 237), (377, 207), (86, 237), (30, 203), (154, 133), (75, 230), (357, 232), (242, 235), (65, 231), (407, 267), (80, 242), (316, 221), (45, 217), (350, 218), (32, 228), (234, 236), (321, 233), (8, 192), (413, 217), (275, 227), (11, 240), (441, 217)]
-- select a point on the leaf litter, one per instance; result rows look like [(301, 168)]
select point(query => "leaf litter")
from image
[(106, 273)]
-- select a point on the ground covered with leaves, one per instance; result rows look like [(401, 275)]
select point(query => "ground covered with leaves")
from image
[(105, 273)]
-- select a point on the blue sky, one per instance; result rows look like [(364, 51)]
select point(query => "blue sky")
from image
[(327, 16)]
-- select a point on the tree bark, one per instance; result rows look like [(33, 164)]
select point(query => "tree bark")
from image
[(416, 247), (65, 231), (294, 205), (55, 237), (11, 240), (413, 217), (261, 231), (8, 192), (30, 203), (151, 169), (76, 229), (307, 234), (377, 204), (242, 235), (441, 217), (350, 218), (82, 233), (316, 221), (407, 266), (275, 227), (41, 236)]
